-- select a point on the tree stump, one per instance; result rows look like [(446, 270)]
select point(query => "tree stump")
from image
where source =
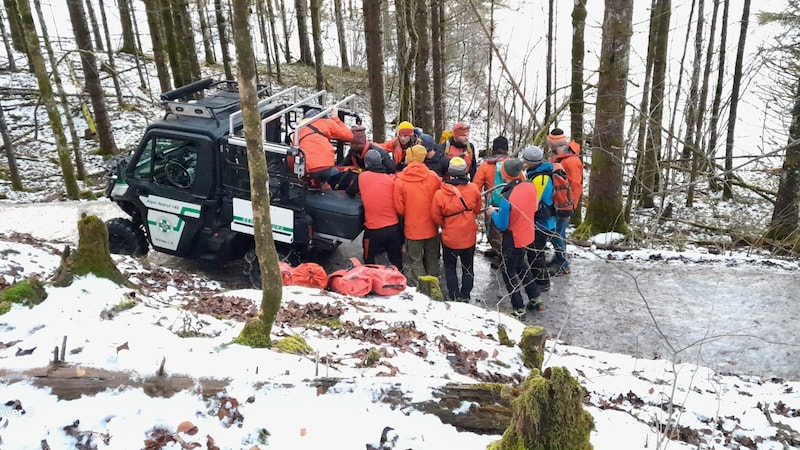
[(548, 413), (532, 346), (92, 256)]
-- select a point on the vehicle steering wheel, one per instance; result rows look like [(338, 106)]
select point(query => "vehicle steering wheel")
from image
[(179, 175)]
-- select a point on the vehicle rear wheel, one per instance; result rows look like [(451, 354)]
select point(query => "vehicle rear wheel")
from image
[(126, 238)]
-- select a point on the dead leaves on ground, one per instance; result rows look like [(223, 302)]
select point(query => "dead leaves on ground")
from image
[(229, 307)]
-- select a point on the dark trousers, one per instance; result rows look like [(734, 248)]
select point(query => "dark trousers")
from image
[(516, 275), (537, 258), (387, 239), (451, 258)]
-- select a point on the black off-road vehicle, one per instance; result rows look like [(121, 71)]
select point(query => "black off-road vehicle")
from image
[(186, 186)]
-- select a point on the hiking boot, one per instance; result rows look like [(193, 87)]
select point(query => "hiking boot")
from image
[(559, 271), (544, 287), (519, 313), (535, 305)]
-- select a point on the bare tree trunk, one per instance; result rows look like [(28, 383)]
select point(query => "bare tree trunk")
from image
[(717, 101), (144, 83), (111, 65), (490, 94), (316, 33), (340, 32), (694, 105), (208, 51), (12, 64), (406, 53), (92, 78), (156, 27), (271, 285), (286, 32), (98, 37), (76, 147), (636, 185), (262, 31), (14, 22), (604, 210), (46, 93), (548, 104), (302, 32), (171, 41), (422, 80), (727, 190), (189, 63), (275, 49), (373, 45), (128, 42), (576, 100), (437, 65), (223, 39), (785, 215), (8, 146)]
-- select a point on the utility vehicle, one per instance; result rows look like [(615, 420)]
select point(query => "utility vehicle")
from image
[(186, 185)]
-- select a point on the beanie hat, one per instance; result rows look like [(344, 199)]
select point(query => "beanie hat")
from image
[(499, 145), (373, 159), (427, 141), (557, 137), (416, 153), (311, 112), (359, 140), (405, 128), (460, 129), (511, 169), (457, 167), (532, 155)]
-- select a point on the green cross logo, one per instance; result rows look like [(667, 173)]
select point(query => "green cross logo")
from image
[(164, 225)]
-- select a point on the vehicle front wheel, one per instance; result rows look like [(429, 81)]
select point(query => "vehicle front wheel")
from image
[(126, 238)]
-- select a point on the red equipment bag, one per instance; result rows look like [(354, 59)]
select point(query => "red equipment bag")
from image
[(286, 272), (310, 274), (386, 280), (350, 282)]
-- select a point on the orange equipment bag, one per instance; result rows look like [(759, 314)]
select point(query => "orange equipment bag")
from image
[(310, 274), (286, 272), (363, 279), (351, 281)]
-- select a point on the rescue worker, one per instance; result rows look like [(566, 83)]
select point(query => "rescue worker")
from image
[(458, 145), (397, 147), (413, 195), (515, 218), (382, 231), (540, 173), (487, 176), (565, 152), (454, 208), (314, 138)]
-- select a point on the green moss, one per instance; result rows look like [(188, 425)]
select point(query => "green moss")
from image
[(92, 257), (294, 344), (429, 285), (602, 217), (494, 388), (548, 414), (123, 306), (532, 346), (330, 322), (29, 292), (372, 358), (255, 334), (502, 336), (5, 307), (87, 195)]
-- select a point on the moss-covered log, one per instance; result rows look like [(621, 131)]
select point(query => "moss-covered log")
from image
[(548, 414), (92, 256)]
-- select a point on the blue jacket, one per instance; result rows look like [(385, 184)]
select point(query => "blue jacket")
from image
[(545, 217)]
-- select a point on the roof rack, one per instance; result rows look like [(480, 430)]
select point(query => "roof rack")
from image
[(235, 118), (226, 97), (320, 114)]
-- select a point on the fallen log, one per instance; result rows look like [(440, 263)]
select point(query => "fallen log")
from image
[(71, 382)]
